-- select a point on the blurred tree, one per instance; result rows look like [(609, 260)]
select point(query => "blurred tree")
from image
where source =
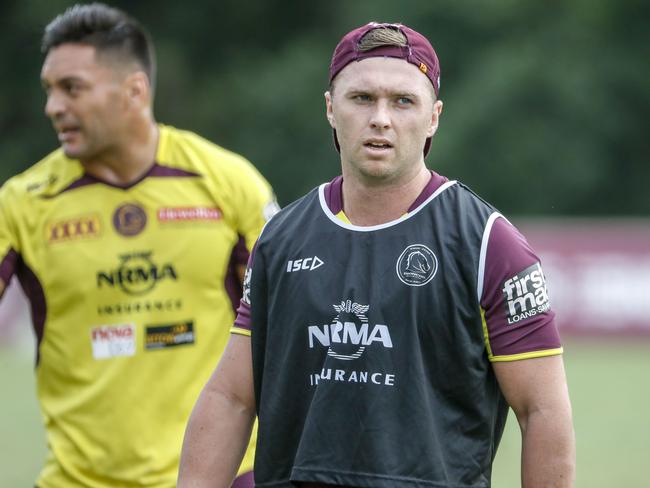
[(545, 101)]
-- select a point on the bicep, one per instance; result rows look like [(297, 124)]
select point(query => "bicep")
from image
[(233, 377), (537, 384), (536, 390)]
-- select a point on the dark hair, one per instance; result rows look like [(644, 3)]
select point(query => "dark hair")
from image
[(105, 28)]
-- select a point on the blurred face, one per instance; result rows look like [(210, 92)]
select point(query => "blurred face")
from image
[(383, 111), (86, 101)]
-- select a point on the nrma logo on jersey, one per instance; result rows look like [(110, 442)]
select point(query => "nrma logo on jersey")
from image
[(136, 274), (346, 339), (525, 294), (348, 335)]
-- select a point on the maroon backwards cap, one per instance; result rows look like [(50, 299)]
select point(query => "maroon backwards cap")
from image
[(418, 51)]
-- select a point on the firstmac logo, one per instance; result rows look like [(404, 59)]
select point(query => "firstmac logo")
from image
[(305, 264), (525, 294)]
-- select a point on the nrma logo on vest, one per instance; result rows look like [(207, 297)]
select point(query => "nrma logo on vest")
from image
[(525, 294), (346, 339), (348, 335)]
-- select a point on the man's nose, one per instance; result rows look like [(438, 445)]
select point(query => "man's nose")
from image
[(380, 117), (54, 105)]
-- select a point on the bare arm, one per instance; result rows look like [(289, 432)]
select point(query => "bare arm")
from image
[(536, 389), (2, 287), (220, 425)]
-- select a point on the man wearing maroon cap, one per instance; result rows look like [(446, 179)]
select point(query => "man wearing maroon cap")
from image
[(390, 317)]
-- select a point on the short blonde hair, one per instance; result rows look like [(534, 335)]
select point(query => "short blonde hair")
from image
[(382, 36)]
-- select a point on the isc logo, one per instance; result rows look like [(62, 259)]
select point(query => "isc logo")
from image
[(308, 264)]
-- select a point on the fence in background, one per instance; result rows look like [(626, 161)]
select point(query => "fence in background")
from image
[(598, 277), (598, 273)]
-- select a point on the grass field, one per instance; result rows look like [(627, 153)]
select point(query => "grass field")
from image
[(610, 391)]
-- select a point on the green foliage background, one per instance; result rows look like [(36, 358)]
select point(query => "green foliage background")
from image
[(545, 101)]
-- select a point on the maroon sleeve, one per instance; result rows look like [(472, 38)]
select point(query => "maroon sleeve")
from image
[(8, 266), (242, 323), (519, 322), (243, 320), (240, 254)]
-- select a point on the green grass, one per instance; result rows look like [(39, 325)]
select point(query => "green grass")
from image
[(609, 383), (22, 441)]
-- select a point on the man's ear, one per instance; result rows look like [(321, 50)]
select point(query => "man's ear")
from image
[(138, 88), (329, 113), (435, 118)]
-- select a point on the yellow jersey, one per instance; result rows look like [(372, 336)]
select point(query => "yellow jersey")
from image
[(132, 290)]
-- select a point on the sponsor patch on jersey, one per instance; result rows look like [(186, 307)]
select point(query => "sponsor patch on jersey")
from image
[(136, 274), (304, 264), (417, 265), (347, 337), (109, 341), (525, 294), (169, 335), (129, 219), (189, 214), (349, 333), (83, 227)]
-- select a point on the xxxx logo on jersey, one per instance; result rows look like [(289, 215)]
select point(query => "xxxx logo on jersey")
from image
[(83, 227)]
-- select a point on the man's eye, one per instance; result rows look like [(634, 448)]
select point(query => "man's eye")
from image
[(72, 88), (404, 101), (362, 98)]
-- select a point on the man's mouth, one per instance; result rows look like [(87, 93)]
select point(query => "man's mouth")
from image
[(67, 133), (378, 145)]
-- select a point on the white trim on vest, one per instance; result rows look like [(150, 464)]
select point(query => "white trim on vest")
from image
[(483, 256), (345, 225)]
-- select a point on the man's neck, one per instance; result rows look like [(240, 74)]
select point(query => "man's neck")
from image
[(128, 162), (366, 205)]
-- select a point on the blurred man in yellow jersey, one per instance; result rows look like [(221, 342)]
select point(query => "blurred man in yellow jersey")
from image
[(130, 242)]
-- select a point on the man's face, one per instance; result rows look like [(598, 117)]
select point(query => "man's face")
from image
[(383, 111), (86, 101)]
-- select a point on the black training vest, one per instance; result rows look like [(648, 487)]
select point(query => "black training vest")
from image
[(369, 353)]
